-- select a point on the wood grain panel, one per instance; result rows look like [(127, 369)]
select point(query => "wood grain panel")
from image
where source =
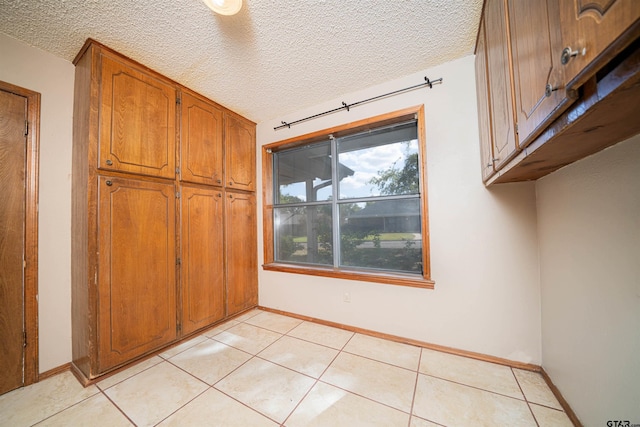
[(535, 45), (201, 141), (241, 254), (13, 117), (602, 28), (484, 106), (137, 259), (137, 121), (202, 274), (505, 143), (239, 153)]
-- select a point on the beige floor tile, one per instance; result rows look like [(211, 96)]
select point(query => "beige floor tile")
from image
[(548, 417), (379, 381), (274, 322), (394, 353), (152, 395), (128, 373), (448, 403), (247, 338), (210, 360), (476, 373), (268, 388), (302, 356), (29, 405), (327, 405), (419, 422), (182, 347), (215, 409), (535, 388), (96, 411), (247, 315), (321, 334), (210, 333)]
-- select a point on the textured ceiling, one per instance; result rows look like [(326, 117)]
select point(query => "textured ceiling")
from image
[(273, 58)]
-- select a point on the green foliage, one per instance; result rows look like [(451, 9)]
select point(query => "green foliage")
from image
[(399, 181)]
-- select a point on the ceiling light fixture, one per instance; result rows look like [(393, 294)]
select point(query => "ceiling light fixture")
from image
[(224, 7)]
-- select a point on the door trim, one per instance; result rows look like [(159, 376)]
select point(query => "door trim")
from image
[(31, 373)]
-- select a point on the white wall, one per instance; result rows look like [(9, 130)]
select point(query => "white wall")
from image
[(589, 234), (52, 77), (483, 242)]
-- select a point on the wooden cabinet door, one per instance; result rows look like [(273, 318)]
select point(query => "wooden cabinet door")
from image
[(505, 143), (240, 153), (201, 142), (484, 106), (241, 253), (202, 271), (601, 27), (540, 95), (137, 268), (137, 121)]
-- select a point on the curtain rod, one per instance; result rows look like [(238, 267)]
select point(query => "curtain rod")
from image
[(346, 106)]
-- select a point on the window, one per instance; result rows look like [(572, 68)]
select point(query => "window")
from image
[(350, 202)]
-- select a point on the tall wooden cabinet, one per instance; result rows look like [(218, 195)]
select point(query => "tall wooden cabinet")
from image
[(164, 216)]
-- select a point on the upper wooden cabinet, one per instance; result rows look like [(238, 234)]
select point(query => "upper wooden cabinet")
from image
[(540, 94), (498, 48), (137, 119), (593, 32), (484, 107), (572, 67), (201, 141), (239, 153)]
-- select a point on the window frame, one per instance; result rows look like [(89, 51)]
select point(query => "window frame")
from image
[(386, 277)]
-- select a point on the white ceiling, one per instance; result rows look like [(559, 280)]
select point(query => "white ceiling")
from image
[(275, 57)]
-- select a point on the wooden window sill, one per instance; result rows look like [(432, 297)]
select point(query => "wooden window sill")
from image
[(365, 276)]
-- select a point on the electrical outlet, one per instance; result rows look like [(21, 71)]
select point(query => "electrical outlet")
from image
[(346, 297)]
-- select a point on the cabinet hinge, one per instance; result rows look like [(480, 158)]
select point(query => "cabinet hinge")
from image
[(178, 261), (178, 100), (177, 194), (516, 128), (177, 171), (26, 127), (24, 339)]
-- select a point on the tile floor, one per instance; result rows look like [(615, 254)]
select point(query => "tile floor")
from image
[(264, 369)]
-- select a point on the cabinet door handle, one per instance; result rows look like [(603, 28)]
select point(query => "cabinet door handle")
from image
[(568, 53), (109, 162), (109, 183), (548, 90)]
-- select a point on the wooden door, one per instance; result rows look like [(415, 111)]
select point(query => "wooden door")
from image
[(202, 265), (505, 143), (19, 118), (240, 153), (137, 121), (241, 253), (201, 142), (540, 95), (595, 30), (13, 116), (484, 106), (137, 268)]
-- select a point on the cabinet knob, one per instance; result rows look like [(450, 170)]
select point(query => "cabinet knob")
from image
[(231, 196), (109, 183), (568, 53), (219, 195), (548, 90), (219, 181), (230, 182), (109, 162)]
